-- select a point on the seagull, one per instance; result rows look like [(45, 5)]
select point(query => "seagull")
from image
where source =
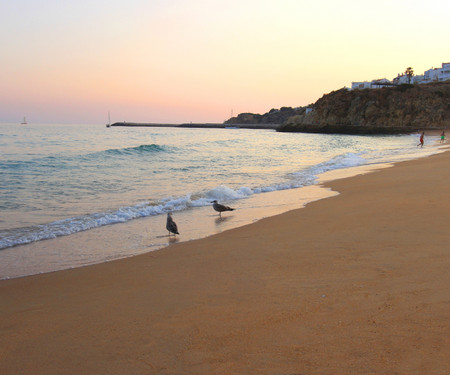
[(221, 208), (171, 225)]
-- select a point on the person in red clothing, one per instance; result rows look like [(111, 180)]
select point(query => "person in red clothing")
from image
[(421, 140)]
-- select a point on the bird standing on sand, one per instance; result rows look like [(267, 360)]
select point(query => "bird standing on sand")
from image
[(171, 225), (221, 208)]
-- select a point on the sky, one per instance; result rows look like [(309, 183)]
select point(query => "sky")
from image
[(177, 61)]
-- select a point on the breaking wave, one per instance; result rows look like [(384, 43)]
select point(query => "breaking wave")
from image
[(221, 193)]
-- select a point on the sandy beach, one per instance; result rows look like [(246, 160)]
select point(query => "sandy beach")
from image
[(353, 284)]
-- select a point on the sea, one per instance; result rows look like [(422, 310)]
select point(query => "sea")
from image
[(75, 195)]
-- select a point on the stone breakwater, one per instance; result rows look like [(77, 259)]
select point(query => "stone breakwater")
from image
[(200, 125)]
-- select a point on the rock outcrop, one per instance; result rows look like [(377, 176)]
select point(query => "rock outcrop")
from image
[(274, 116), (389, 110)]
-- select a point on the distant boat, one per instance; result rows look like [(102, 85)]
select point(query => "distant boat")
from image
[(24, 122), (109, 121)]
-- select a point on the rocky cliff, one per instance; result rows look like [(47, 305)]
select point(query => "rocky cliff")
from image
[(400, 109), (274, 116)]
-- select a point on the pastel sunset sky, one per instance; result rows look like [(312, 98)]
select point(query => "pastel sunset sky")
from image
[(175, 61)]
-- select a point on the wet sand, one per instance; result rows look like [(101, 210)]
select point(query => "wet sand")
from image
[(143, 235), (353, 284)]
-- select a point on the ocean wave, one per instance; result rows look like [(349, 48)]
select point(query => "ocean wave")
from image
[(308, 176), (220, 193), (346, 160), (15, 165), (62, 162), (142, 149), (21, 236)]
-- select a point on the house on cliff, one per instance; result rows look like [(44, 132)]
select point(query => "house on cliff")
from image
[(437, 74), (432, 75), (374, 84)]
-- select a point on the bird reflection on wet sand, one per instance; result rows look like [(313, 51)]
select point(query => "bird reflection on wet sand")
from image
[(220, 220)]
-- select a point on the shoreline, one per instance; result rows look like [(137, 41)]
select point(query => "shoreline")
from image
[(145, 235), (353, 284)]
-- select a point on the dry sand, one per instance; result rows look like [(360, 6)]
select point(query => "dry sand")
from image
[(354, 284)]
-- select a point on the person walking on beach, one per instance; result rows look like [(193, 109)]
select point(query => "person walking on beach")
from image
[(421, 140), (443, 136)]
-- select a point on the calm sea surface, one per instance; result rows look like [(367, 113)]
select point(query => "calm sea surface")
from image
[(59, 180)]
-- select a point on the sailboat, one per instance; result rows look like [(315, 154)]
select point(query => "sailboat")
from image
[(109, 121), (24, 122)]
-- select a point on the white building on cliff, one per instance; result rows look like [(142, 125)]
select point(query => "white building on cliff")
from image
[(432, 75), (437, 74), (375, 84)]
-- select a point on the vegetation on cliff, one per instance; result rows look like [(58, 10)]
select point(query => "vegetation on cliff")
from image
[(274, 116)]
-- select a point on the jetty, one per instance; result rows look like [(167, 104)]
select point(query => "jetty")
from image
[(198, 125)]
